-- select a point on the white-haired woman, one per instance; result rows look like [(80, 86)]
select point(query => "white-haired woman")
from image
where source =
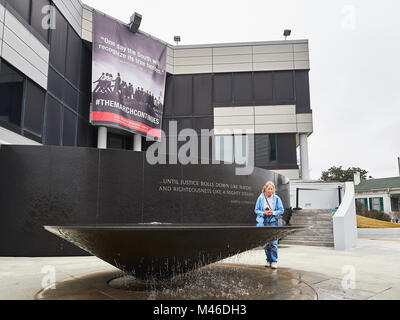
[(269, 209)]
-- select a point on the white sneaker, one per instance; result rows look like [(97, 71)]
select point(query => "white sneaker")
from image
[(274, 265), (268, 265)]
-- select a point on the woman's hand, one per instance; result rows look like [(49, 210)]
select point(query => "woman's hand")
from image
[(268, 213)]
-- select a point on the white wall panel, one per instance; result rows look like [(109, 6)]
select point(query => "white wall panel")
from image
[(277, 48), (233, 111), (276, 128), (234, 120), (192, 61), (273, 57), (193, 69), (276, 119), (238, 129), (201, 52), (224, 51), (232, 67), (15, 59), (22, 50), (238, 58), (72, 11), (270, 66), (282, 109)]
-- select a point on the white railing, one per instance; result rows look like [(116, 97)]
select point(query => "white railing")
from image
[(345, 221)]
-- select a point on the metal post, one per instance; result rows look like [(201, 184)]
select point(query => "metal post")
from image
[(102, 138), (137, 143)]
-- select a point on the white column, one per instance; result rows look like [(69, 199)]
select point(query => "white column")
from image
[(304, 163), (102, 138), (137, 143)]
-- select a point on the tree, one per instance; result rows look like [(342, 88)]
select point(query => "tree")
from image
[(338, 174)]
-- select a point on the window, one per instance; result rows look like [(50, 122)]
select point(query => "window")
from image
[(243, 89), (22, 7), (223, 90), (263, 88), (55, 84), (183, 95), (53, 122), (69, 128), (265, 150), (34, 107), (231, 149), (37, 17), (31, 12), (284, 86), (70, 96), (302, 92), (376, 204), (11, 93), (395, 204), (73, 55), (58, 43), (362, 204), (202, 94), (85, 82)]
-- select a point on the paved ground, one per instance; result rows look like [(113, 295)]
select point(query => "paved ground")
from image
[(371, 271)]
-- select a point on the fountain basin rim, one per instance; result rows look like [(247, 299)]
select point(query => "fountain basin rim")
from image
[(175, 227)]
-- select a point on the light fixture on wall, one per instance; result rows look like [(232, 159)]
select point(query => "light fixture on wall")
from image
[(136, 19)]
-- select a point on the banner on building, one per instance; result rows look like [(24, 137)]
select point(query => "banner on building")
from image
[(128, 78)]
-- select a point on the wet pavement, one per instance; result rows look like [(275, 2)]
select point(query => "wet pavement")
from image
[(369, 271), (215, 282)]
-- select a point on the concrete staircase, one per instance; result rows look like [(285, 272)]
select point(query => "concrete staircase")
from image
[(321, 231)]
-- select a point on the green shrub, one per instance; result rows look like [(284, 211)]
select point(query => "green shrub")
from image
[(373, 214)]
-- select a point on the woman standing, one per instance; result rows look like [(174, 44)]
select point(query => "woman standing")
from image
[(269, 209)]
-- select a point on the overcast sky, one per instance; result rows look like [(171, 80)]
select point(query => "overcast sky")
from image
[(355, 64)]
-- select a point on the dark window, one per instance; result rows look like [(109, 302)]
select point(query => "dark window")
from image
[(69, 128), (287, 149), (223, 90), (202, 95), (84, 106), (169, 96), (53, 122), (70, 96), (34, 106), (203, 123), (55, 84), (86, 136), (185, 123), (58, 43), (243, 89), (302, 92), (73, 55), (265, 150), (11, 93), (85, 82), (263, 88), (284, 86), (38, 16), (182, 95), (23, 7)]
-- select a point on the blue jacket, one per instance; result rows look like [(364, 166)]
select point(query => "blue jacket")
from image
[(260, 209)]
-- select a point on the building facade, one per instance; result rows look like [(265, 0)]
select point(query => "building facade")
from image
[(381, 195), (260, 87)]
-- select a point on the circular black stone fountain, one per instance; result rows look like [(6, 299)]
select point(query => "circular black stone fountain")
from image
[(156, 252)]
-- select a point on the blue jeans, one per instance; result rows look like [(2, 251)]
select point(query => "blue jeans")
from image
[(271, 251), (271, 248)]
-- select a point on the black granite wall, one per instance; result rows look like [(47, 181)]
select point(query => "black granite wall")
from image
[(48, 185)]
